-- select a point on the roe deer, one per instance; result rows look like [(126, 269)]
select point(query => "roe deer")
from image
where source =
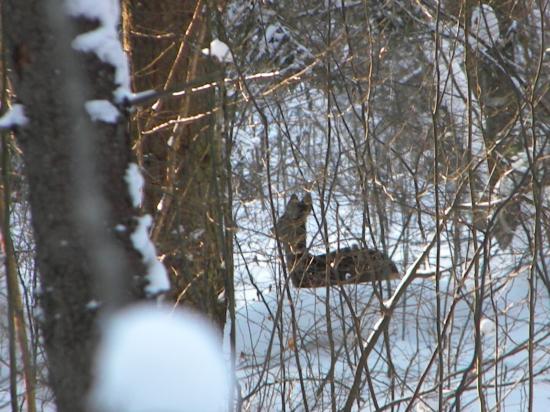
[(344, 266)]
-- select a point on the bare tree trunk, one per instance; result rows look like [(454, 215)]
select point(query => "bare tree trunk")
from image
[(179, 145), (78, 195), (489, 66)]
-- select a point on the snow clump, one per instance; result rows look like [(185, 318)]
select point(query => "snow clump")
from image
[(156, 272), (102, 110), (15, 116), (159, 359), (135, 182), (219, 50)]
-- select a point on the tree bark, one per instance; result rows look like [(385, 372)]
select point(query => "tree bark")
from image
[(186, 186), (77, 192)]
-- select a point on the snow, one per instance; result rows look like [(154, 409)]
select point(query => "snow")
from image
[(104, 41), (106, 11), (451, 62), (93, 305), (159, 359), (135, 182), (197, 234), (139, 97), (275, 35), (15, 116), (484, 27), (487, 326), (102, 110), (265, 343), (156, 272), (219, 50), (270, 40), (268, 350)]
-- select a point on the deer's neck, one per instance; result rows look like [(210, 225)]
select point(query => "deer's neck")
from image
[(296, 248), (293, 255)]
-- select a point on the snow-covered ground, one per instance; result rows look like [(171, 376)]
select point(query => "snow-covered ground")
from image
[(303, 341)]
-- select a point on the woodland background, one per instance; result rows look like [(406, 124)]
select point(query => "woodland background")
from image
[(420, 128)]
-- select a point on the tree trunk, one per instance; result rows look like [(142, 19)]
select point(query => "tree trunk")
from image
[(186, 186), (498, 98), (78, 195)]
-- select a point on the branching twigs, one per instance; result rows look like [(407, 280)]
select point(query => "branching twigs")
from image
[(18, 327), (383, 322), (201, 84), (537, 199), (410, 166)]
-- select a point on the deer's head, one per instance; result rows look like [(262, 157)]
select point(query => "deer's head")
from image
[(291, 226)]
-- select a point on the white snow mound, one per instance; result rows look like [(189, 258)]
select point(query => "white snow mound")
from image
[(157, 359)]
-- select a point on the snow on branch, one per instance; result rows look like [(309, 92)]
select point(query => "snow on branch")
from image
[(103, 41), (135, 182), (219, 50), (102, 110), (156, 272)]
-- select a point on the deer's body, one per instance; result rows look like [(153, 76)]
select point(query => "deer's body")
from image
[(344, 266)]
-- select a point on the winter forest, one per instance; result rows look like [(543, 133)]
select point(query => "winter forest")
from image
[(275, 205)]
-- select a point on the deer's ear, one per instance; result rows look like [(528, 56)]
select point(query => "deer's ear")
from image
[(307, 199), (293, 200)]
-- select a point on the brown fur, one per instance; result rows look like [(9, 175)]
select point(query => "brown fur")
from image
[(343, 266)]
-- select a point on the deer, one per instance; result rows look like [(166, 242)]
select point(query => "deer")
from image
[(349, 265)]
